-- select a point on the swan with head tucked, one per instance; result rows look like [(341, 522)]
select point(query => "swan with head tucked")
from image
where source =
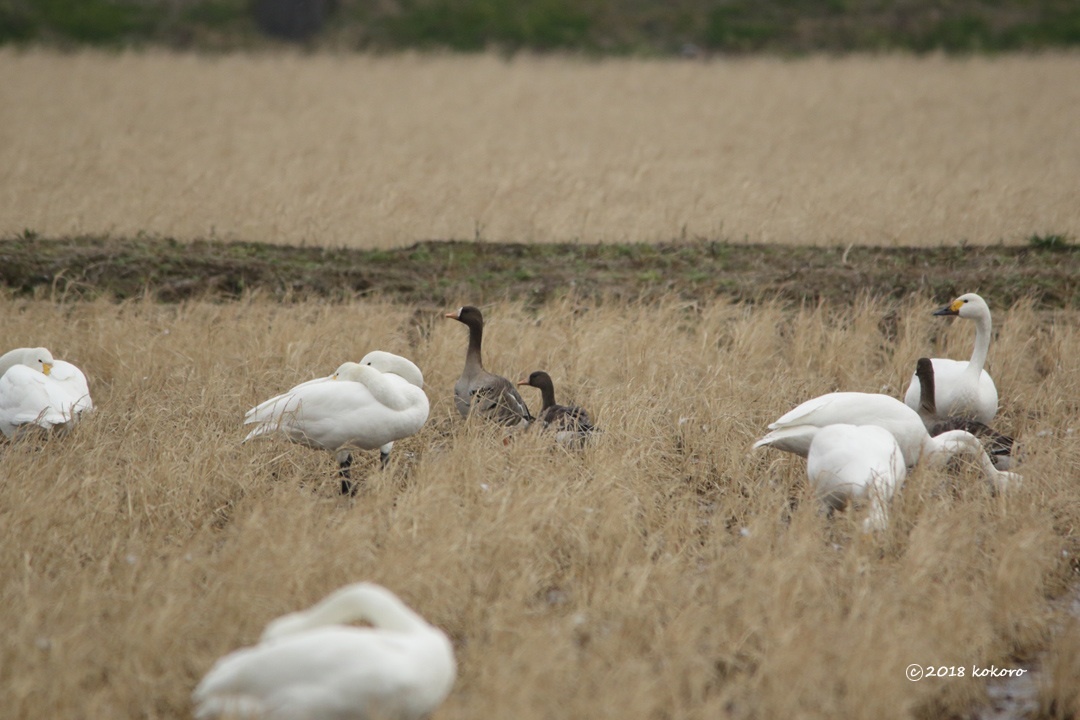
[(851, 463), (363, 405), (37, 390), (312, 665), (963, 388), (795, 430)]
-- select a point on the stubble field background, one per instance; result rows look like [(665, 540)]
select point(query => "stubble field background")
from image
[(375, 152)]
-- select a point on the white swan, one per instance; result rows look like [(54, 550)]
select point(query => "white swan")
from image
[(795, 431), (363, 405), (963, 388), (37, 390), (999, 447), (311, 665), (849, 463)]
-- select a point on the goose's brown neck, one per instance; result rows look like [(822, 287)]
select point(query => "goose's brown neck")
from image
[(547, 393), (476, 337)]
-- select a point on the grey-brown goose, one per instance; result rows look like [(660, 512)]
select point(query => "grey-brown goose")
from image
[(998, 446), (491, 396), (571, 424)]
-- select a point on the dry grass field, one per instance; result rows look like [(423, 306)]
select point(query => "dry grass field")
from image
[(385, 151), (666, 572)]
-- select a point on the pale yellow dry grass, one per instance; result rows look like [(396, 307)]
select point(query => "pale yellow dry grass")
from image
[(667, 571), (384, 151)]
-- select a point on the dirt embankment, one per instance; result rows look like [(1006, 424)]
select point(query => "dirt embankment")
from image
[(441, 272)]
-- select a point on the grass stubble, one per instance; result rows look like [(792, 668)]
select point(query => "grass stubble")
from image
[(383, 151), (666, 571)]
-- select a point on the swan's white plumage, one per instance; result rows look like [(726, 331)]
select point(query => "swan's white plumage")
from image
[(963, 389), (795, 430), (37, 390), (311, 665), (366, 405), (849, 463)]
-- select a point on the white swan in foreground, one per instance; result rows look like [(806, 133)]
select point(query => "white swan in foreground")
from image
[(310, 665), (36, 390), (963, 388), (363, 405), (849, 463), (795, 430)]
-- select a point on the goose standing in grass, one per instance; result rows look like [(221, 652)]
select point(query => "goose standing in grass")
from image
[(851, 463), (312, 665), (571, 424), (795, 431), (1000, 447), (36, 390), (478, 391), (363, 405), (963, 389)]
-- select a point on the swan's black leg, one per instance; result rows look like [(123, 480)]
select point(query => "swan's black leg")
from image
[(347, 486), (384, 456)]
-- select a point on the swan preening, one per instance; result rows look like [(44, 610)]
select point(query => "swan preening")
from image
[(479, 392), (311, 665), (852, 463), (37, 390), (570, 423), (363, 405), (795, 431), (963, 388)]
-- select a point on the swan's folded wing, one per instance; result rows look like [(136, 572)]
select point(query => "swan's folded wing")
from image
[(793, 439), (270, 411), (806, 412), (25, 399), (321, 673)]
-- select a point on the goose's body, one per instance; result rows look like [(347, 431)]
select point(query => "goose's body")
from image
[(963, 388), (1000, 447), (480, 392), (363, 405), (311, 665), (849, 463), (37, 390), (570, 423), (795, 431)]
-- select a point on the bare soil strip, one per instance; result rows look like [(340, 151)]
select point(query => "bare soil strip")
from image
[(437, 272)]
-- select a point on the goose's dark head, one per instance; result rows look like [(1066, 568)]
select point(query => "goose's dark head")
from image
[(538, 379), (469, 315)]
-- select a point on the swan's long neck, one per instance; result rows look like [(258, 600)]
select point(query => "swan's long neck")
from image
[(982, 344), (363, 601), (962, 443)]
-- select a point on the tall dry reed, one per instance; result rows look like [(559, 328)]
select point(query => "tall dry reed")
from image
[(666, 571)]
